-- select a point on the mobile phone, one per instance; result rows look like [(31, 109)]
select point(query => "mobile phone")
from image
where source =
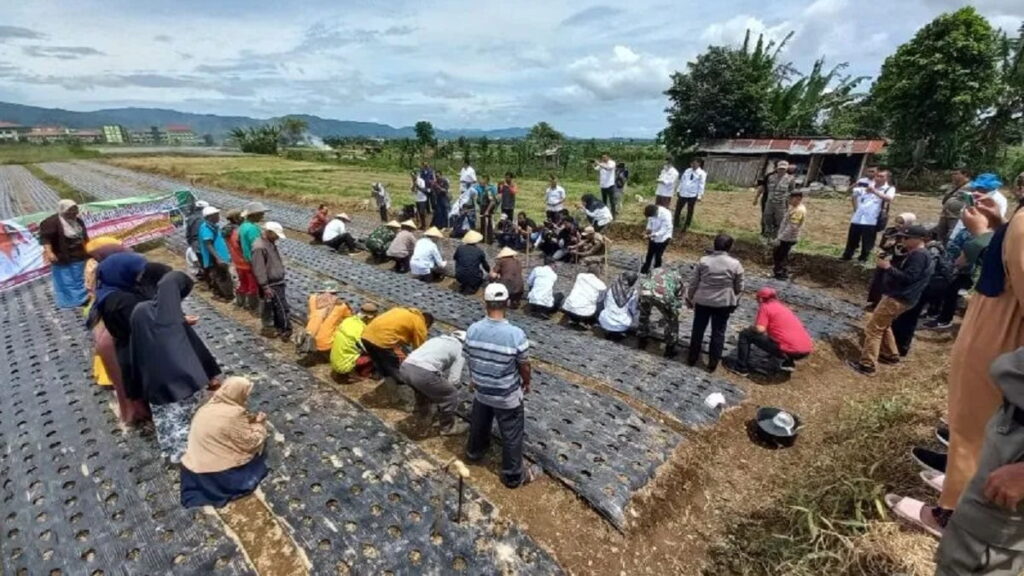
[(968, 199)]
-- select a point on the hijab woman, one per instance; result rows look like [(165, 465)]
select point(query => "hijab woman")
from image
[(63, 236), (98, 249), (170, 363), (225, 458), (620, 306)]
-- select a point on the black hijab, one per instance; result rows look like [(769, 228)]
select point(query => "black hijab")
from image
[(169, 360), (591, 202)]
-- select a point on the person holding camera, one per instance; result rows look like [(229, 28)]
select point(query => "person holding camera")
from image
[(870, 200)]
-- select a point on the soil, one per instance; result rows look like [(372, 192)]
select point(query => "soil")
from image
[(266, 543)]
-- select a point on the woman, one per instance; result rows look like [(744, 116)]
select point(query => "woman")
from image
[(714, 294), (600, 216), (471, 265), (98, 249), (63, 236), (170, 363), (620, 307), (225, 459), (889, 247), (508, 271)]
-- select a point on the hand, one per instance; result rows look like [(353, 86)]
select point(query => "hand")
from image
[(214, 384), (191, 320), (754, 203), (49, 256), (689, 303), (699, 198), (1005, 486), (988, 207), (268, 293), (883, 263), (526, 387), (260, 418)]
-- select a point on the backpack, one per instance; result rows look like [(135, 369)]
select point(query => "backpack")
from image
[(943, 267)]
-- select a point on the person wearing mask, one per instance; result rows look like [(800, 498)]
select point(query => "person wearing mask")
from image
[(663, 290), (214, 255), (402, 247), (597, 213), (421, 196), (541, 286), (434, 372), (953, 203), (668, 181), (499, 372), (63, 236), (467, 177), (346, 344), (605, 168), (620, 307), (508, 271), (691, 191), (268, 268), (777, 331), (442, 200), (554, 199), (471, 265), (789, 234), (714, 294), (378, 242), (337, 237), (507, 191), (870, 200), (902, 285), (776, 191), (381, 199), (317, 224), (487, 197), (426, 263), (224, 459), (391, 336), (657, 234), (581, 306), (171, 363)]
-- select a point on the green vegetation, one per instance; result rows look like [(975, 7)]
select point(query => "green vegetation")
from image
[(35, 153), (258, 139)]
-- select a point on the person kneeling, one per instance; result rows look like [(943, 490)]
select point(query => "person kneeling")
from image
[(347, 352), (434, 371), (620, 306), (471, 265), (777, 331), (401, 248), (427, 264), (587, 292), (225, 459), (337, 236)]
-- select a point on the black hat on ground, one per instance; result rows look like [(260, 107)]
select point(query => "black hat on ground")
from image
[(777, 426)]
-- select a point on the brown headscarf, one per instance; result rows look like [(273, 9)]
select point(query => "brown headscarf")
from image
[(223, 434)]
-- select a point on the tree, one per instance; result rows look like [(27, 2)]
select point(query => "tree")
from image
[(425, 137), (257, 139), (292, 128), (1004, 125), (485, 149), (934, 88), (544, 137), (800, 108)]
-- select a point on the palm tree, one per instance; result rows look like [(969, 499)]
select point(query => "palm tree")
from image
[(293, 128)]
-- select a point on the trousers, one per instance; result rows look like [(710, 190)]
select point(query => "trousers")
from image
[(385, 360), (690, 204), (718, 317), (774, 212), (780, 258), (433, 387), (275, 309), (511, 425), (863, 235), (655, 250), (878, 335), (669, 313)]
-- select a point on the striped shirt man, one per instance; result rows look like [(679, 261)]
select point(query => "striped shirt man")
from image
[(496, 349)]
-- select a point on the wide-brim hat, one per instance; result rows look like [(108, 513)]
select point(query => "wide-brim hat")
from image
[(589, 231), (408, 224), (472, 237), (343, 216), (368, 308), (777, 425), (433, 232), (507, 252), (394, 224), (253, 208), (276, 228)]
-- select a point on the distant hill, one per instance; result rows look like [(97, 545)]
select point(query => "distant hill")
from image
[(219, 126)]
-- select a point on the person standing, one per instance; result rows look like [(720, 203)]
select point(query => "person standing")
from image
[(789, 234), (63, 236), (964, 266), (402, 247), (870, 206), (390, 337), (902, 285), (247, 293), (621, 181), (663, 290), (336, 235), (422, 199), (606, 181), (434, 371), (657, 234), (467, 177), (487, 197), (268, 268), (777, 331), (714, 294), (507, 191), (382, 199), (691, 191), (214, 255), (471, 265), (249, 231), (317, 224), (426, 263), (554, 200), (776, 189), (427, 175), (192, 221), (442, 200), (668, 181), (499, 371), (953, 203)]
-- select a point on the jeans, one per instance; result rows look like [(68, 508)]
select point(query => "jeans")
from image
[(608, 197), (655, 250), (511, 424), (878, 335), (690, 204), (275, 310), (864, 235), (718, 316), (401, 264), (780, 258)]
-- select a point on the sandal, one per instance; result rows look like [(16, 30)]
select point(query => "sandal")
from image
[(909, 510), (933, 479)]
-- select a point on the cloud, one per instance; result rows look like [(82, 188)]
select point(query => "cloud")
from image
[(12, 32), (624, 75), (734, 30), (239, 66), (162, 38), (61, 52), (592, 14)]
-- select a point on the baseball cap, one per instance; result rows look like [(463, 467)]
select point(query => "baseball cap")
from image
[(782, 164), (986, 182), (915, 231), (275, 228), (210, 211), (496, 292)]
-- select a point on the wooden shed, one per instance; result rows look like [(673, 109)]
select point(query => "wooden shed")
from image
[(742, 161)]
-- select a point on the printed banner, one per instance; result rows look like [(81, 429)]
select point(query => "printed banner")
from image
[(131, 220)]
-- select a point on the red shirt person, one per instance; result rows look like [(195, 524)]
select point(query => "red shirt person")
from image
[(777, 331)]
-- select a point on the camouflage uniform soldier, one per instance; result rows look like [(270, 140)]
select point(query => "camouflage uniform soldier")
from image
[(777, 187), (379, 240), (663, 290)]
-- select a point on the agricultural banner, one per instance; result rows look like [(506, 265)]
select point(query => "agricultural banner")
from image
[(132, 220)]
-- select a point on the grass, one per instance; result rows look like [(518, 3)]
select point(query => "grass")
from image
[(34, 153), (62, 188)]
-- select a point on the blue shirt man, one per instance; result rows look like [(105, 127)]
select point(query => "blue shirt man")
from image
[(209, 233)]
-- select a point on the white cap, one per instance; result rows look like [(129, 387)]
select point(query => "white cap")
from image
[(210, 211), (496, 292), (275, 228), (202, 203)]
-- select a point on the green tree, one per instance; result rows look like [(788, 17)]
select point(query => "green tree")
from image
[(485, 149), (257, 139), (425, 136), (799, 108), (1003, 126), (292, 129), (933, 90)]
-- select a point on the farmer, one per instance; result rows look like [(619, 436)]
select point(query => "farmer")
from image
[(401, 248), (317, 223), (434, 371), (777, 331), (246, 294), (336, 234), (214, 255), (426, 263), (471, 265), (390, 337), (268, 267), (508, 271), (346, 344)]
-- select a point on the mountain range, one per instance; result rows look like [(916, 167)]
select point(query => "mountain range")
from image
[(220, 126)]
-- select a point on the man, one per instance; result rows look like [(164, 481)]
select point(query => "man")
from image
[(380, 239), (268, 268), (606, 181), (467, 177), (318, 223), (986, 534), (471, 265), (540, 285), (554, 199), (249, 231), (591, 248), (580, 307), (337, 235), (390, 337), (434, 371), (192, 222), (420, 194), (508, 271), (426, 263), (621, 181), (663, 290), (691, 191), (382, 199), (499, 372), (401, 248), (214, 255), (507, 191), (902, 285), (427, 175), (776, 189), (987, 184), (657, 234), (870, 201), (487, 197), (346, 345), (247, 293), (777, 331), (789, 234), (668, 180), (977, 234), (953, 203), (442, 200)]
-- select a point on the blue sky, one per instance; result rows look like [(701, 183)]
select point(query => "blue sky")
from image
[(590, 69)]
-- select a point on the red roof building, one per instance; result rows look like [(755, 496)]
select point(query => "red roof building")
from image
[(178, 129), (744, 161)]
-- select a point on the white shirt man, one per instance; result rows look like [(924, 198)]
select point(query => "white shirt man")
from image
[(420, 187), (334, 229), (541, 283), (467, 177), (869, 204), (692, 183), (606, 173), (426, 258), (659, 226), (667, 181), (584, 296), (555, 198)]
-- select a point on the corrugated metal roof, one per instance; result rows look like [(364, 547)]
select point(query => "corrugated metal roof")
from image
[(792, 146)]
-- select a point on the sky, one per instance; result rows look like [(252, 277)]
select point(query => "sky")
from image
[(591, 69)]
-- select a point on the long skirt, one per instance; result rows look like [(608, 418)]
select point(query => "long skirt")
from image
[(69, 284), (172, 422), (130, 411), (218, 488)]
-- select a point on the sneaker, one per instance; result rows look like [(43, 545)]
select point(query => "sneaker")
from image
[(937, 326), (890, 360), (737, 370), (860, 368), (942, 433), (929, 459), (455, 429), (788, 365)]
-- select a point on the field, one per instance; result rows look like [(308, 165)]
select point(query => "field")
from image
[(345, 187), (32, 153)]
